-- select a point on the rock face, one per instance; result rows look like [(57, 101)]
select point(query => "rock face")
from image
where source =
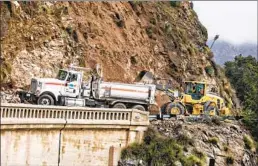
[(124, 37), (218, 141)]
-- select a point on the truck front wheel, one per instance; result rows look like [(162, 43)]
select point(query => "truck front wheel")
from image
[(45, 100)]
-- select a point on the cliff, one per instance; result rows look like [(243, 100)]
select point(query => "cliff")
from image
[(165, 38)]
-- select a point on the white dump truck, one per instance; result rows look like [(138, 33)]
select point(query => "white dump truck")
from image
[(68, 89)]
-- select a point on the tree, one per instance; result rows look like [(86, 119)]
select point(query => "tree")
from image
[(243, 75)]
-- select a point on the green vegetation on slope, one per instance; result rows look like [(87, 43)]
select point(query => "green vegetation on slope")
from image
[(243, 75), (159, 150)]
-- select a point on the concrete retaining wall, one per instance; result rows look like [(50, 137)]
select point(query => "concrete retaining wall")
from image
[(27, 139)]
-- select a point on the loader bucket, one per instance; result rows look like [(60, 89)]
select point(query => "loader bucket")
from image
[(145, 76)]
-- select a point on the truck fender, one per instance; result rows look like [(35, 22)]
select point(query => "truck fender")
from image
[(114, 102), (51, 94)]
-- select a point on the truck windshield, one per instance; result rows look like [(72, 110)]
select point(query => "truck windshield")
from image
[(62, 75)]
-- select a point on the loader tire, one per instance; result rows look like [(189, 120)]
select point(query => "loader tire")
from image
[(119, 105), (139, 107), (163, 108), (45, 100), (210, 109), (175, 109)]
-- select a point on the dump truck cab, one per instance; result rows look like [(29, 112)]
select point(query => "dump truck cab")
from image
[(46, 91), (72, 80)]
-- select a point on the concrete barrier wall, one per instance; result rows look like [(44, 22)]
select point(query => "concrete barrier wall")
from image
[(32, 135)]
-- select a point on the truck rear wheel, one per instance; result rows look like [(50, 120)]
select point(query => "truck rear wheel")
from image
[(45, 100), (139, 107), (119, 105)]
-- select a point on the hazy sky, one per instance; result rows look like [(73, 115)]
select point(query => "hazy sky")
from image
[(235, 21)]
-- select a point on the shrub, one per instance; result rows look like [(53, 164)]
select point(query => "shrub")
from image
[(133, 60), (225, 148), (191, 51), (193, 160), (230, 159), (210, 55), (153, 21), (250, 121), (149, 32), (135, 151), (134, 3), (204, 31), (5, 71), (183, 36), (167, 27), (119, 20), (155, 150), (175, 3), (249, 143), (69, 30), (206, 49), (199, 154), (213, 140), (185, 140), (159, 150), (209, 70), (81, 61), (75, 36), (44, 9)]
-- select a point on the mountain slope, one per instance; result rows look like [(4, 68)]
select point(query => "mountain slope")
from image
[(159, 37), (165, 38)]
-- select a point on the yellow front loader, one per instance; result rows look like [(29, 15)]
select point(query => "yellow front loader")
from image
[(195, 101)]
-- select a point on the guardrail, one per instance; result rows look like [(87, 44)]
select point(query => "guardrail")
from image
[(38, 114)]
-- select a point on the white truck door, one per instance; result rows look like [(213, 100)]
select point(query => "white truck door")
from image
[(72, 87)]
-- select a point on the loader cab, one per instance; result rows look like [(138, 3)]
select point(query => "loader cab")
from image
[(195, 89)]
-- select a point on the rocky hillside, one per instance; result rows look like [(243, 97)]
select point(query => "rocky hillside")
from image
[(194, 141), (165, 38)]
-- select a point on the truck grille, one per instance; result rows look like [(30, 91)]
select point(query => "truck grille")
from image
[(33, 86)]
